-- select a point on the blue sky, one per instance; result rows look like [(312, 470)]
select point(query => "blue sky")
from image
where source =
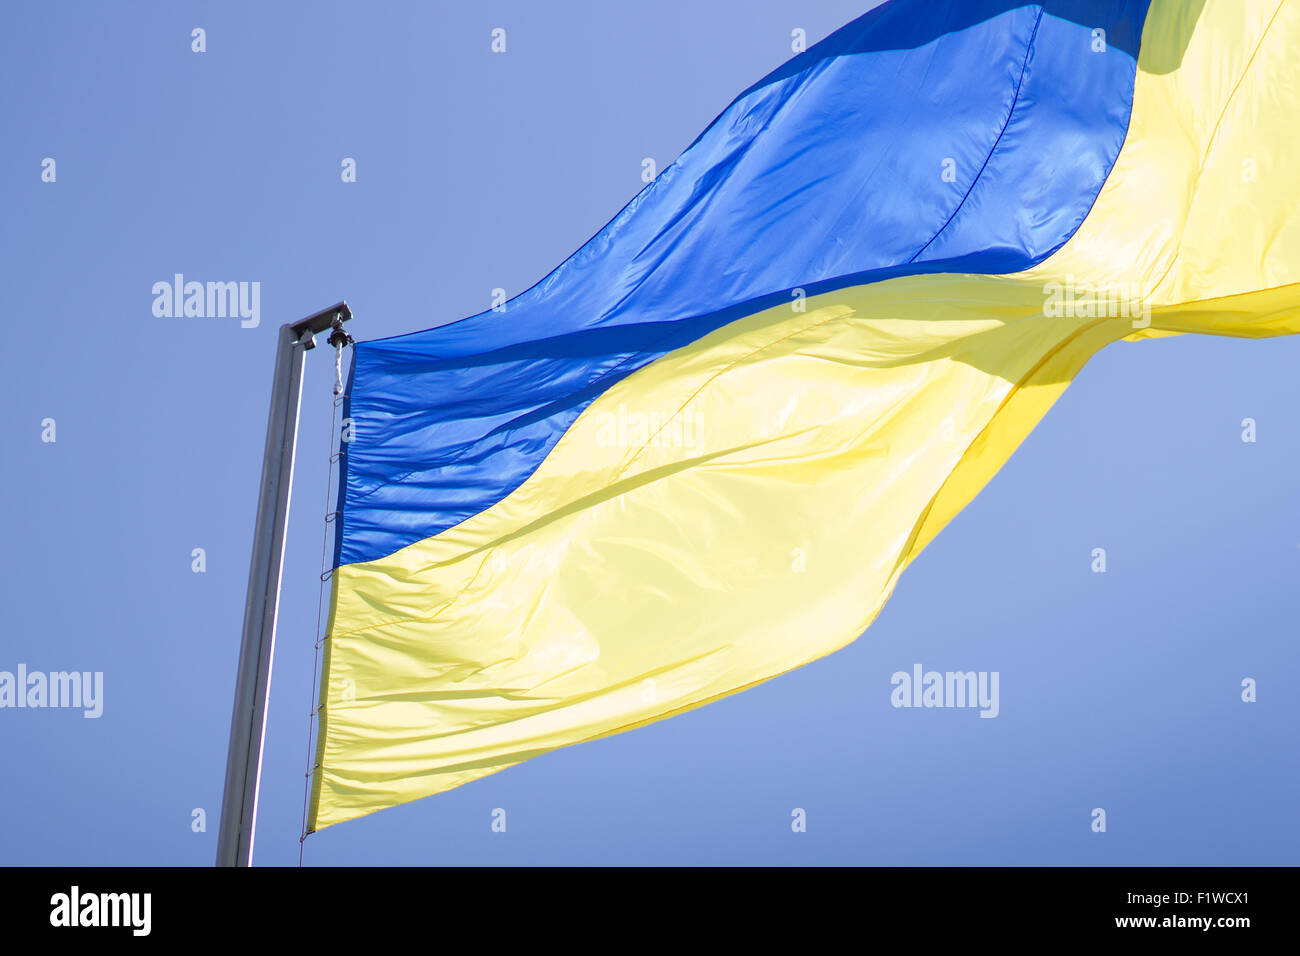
[(477, 171)]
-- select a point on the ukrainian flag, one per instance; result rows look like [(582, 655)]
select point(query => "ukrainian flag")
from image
[(701, 451)]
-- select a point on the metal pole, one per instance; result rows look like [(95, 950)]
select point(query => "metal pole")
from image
[(253, 678)]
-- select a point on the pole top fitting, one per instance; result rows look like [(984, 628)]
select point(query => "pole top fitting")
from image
[(305, 330), (338, 338)]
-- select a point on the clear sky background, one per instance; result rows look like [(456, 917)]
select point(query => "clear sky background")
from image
[(475, 171)]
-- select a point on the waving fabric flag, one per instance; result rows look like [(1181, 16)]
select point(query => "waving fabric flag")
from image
[(700, 452)]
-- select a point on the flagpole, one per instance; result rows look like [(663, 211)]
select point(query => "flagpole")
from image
[(253, 678)]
